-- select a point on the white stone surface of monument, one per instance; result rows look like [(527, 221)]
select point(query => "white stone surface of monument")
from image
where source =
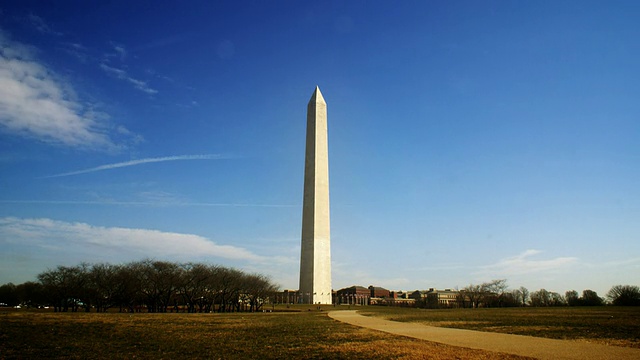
[(315, 257)]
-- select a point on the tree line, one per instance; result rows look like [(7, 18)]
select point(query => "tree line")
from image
[(497, 294), (147, 285)]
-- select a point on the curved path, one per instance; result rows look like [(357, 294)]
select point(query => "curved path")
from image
[(540, 348)]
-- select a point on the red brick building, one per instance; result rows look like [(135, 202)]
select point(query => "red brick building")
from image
[(354, 295), (378, 292)]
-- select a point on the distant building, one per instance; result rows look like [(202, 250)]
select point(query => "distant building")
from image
[(287, 297), (375, 295), (399, 294), (418, 295), (353, 295), (379, 292), (436, 298), (395, 298), (378, 295), (404, 302), (445, 298)]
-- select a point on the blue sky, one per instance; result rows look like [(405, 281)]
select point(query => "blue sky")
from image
[(468, 141)]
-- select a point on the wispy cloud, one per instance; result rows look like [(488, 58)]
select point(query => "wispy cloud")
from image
[(60, 236), (76, 50), (617, 263), (142, 161), (146, 203), (36, 103), (119, 50), (122, 75), (522, 264), (39, 24)]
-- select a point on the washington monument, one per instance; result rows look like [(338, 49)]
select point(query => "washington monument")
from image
[(315, 258)]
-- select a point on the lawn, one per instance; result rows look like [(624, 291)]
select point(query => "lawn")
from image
[(296, 335), (611, 325), (302, 333)]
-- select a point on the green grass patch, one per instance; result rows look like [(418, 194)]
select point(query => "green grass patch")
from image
[(603, 324)]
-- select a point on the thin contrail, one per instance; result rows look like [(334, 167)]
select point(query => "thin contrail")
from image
[(141, 161)]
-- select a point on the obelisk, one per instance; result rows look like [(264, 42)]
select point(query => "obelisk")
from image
[(315, 258)]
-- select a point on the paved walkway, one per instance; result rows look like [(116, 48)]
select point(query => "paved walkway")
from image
[(512, 344)]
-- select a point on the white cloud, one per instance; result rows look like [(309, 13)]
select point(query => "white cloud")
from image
[(122, 75), (35, 103), (61, 237), (522, 264), (141, 161), (31, 245)]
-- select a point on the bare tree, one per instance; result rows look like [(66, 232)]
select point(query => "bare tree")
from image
[(520, 296), (105, 285), (156, 285), (540, 298), (557, 299), (227, 289), (159, 280), (590, 298), (474, 294), (193, 287), (64, 286), (524, 293), (624, 295), (494, 293), (128, 295), (572, 298), (487, 294), (258, 289), (543, 297)]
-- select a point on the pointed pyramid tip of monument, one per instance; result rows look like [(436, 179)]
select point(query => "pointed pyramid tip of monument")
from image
[(317, 96)]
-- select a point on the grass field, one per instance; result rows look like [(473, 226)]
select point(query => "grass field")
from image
[(610, 325), (301, 334), (298, 335)]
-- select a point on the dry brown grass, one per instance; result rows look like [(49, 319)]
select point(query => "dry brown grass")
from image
[(304, 335), (610, 325)]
